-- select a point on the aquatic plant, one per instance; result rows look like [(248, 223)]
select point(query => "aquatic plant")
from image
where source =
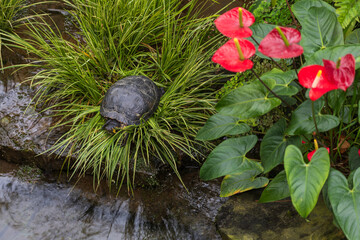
[(328, 114), (163, 40)]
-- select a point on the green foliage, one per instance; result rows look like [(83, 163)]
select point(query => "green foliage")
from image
[(331, 122), (348, 11), (117, 39), (302, 121), (327, 31), (248, 101), (244, 179), (261, 66), (354, 158), (333, 53), (305, 179), (266, 12), (345, 202), (8, 10), (218, 126), (277, 189), (227, 157), (272, 148)]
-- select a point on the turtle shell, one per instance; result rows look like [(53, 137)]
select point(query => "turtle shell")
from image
[(130, 99)]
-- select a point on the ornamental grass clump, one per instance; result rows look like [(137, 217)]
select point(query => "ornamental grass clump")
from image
[(162, 40), (8, 10), (320, 96)]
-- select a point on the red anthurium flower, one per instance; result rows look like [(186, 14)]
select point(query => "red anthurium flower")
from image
[(359, 152), (314, 77), (281, 43), (342, 73), (235, 23), (310, 154), (322, 79), (234, 54)]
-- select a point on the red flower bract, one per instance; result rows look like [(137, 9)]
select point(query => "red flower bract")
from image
[(228, 56), (342, 75), (319, 86), (333, 76), (229, 25), (310, 154), (274, 46)]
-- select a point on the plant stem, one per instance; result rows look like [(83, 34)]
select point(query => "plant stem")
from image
[(267, 87), (294, 65), (293, 16), (331, 144), (269, 57), (313, 114)]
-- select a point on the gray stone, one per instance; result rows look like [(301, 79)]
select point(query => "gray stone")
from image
[(243, 218), (24, 130)]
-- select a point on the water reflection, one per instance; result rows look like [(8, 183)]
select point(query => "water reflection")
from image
[(39, 210)]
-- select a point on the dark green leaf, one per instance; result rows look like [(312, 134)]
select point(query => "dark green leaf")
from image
[(359, 111), (248, 101), (345, 202), (305, 180), (277, 189), (283, 80), (272, 148), (243, 180), (354, 37), (218, 126), (227, 157), (354, 158), (301, 8), (333, 54), (336, 99), (320, 29), (302, 120)]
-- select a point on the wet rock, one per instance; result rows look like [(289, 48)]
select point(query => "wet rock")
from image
[(243, 218), (24, 131)]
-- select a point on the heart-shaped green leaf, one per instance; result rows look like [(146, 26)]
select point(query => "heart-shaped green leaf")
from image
[(248, 101), (272, 148), (305, 180), (218, 126), (244, 179), (283, 80), (301, 8), (302, 120), (354, 158), (320, 29), (333, 54), (227, 158), (345, 202), (277, 189)]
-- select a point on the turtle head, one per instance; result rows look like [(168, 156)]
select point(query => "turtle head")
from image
[(112, 125)]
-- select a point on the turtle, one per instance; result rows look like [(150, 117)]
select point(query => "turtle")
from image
[(128, 101)]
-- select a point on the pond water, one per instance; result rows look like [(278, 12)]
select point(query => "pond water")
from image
[(37, 208)]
